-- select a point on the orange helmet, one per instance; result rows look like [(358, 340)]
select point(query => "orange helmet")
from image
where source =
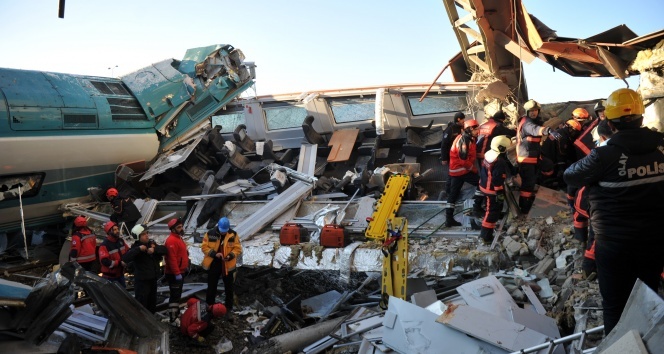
[(470, 123), (111, 193), (80, 221), (580, 113), (574, 124)]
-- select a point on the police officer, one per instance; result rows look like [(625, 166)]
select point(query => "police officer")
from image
[(625, 179)]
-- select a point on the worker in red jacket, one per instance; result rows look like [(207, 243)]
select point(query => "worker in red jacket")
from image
[(177, 262), (83, 244), (463, 168), (196, 320), (494, 126), (110, 254)]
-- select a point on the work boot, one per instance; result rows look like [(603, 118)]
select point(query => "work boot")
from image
[(486, 235), (173, 313), (449, 218), (525, 203)]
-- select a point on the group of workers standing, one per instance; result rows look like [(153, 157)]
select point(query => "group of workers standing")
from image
[(611, 166), (221, 247)]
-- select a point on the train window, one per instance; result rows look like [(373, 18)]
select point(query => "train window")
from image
[(27, 185), (435, 104), (353, 109), (284, 116), (229, 121)]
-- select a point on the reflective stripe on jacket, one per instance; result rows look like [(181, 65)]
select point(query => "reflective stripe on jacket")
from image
[(529, 135), (210, 247), (463, 155)]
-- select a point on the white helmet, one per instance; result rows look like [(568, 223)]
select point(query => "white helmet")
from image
[(138, 230), (499, 144)]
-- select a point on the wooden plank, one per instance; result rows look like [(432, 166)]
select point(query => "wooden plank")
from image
[(342, 142)]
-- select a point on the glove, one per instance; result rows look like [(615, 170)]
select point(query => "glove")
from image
[(178, 277), (200, 339), (555, 135)]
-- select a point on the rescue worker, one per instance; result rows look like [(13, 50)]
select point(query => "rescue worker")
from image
[(450, 133), (177, 263), (583, 230), (145, 255), (529, 134), (561, 151), (586, 140), (221, 247), (493, 127), (83, 244), (196, 321), (463, 168), (495, 170), (124, 209), (110, 254), (625, 189)]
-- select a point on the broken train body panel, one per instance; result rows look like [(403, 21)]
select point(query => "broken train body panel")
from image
[(62, 133)]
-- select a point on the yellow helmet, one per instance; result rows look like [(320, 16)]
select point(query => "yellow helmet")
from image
[(623, 102), (531, 104), (500, 143)]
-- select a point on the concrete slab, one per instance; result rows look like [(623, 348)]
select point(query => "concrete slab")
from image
[(630, 343)]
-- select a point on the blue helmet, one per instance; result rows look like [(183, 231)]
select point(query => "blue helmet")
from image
[(223, 225)]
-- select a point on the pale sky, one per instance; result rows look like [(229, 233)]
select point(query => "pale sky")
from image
[(297, 45)]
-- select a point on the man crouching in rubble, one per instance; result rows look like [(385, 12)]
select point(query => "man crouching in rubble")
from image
[(196, 320), (145, 256), (625, 179), (110, 254)]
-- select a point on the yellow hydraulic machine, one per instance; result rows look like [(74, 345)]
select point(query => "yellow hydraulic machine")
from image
[(392, 233)]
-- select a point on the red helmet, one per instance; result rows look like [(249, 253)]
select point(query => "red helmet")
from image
[(580, 113), (174, 222), (218, 310), (111, 193), (470, 123), (109, 226), (80, 221)]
